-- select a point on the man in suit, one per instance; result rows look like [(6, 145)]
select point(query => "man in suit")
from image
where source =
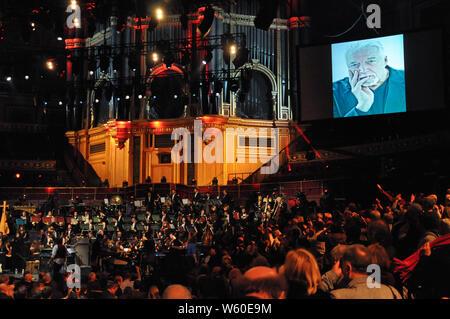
[(150, 198), (352, 269), (226, 199), (176, 201), (372, 87)]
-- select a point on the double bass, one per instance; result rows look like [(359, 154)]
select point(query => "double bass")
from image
[(208, 235)]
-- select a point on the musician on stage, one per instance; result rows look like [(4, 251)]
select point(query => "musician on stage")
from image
[(150, 199), (58, 259)]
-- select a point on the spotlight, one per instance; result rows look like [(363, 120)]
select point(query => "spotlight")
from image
[(76, 23), (159, 14), (234, 86), (140, 96), (97, 100), (208, 56), (59, 38), (60, 103), (208, 18), (27, 77), (73, 4), (155, 57), (8, 78), (17, 175), (50, 65), (127, 97), (233, 49)]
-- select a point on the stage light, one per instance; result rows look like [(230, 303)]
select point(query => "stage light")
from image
[(97, 100), (208, 56), (60, 103), (127, 97), (233, 49), (50, 65), (17, 175), (140, 96), (73, 4), (234, 86), (27, 77), (9, 78), (59, 38), (76, 23), (175, 96), (155, 57), (159, 14), (91, 72)]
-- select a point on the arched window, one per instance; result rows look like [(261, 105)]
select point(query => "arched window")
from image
[(254, 99)]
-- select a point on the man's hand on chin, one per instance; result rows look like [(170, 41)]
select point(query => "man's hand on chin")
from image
[(363, 94)]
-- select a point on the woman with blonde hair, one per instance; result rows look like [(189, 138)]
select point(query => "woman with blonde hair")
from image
[(303, 275)]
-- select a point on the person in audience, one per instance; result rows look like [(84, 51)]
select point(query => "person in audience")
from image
[(302, 274), (176, 292), (353, 267), (223, 250)]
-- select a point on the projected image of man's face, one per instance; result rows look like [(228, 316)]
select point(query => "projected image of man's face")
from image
[(367, 64)]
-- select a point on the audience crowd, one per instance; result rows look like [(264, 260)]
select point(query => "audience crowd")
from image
[(212, 248)]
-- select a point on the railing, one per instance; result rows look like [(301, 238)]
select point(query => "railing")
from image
[(313, 189)]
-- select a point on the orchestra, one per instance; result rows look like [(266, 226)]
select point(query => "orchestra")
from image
[(163, 225)]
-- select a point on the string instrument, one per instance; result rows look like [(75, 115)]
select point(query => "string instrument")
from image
[(277, 207), (208, 235)]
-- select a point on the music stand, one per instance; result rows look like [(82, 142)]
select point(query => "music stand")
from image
[(99, 227), (110, 228), (110, 220), (20, 222), (140, 227), (155, 227), (127, 220), (141, 217), (156, 218), (126, 227), (35, 219)]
